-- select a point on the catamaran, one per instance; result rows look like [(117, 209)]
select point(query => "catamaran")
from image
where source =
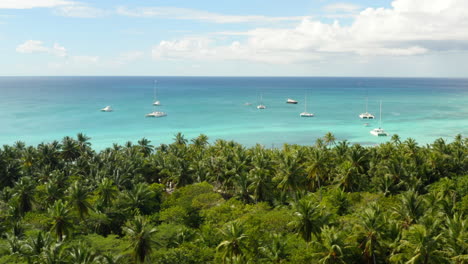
[(261, 105), (305, 113), (366, 115), (156, 103), (107, 109), (379, 132)]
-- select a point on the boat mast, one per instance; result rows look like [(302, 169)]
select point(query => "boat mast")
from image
[(154, 92), (305, 104), (380, 118)]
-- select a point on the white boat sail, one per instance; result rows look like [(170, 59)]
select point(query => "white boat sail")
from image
[(155, 101), (261, 105), (305, 113), (379, 132), (107, 109)]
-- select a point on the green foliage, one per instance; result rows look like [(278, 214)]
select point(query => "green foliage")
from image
[(198, 202)]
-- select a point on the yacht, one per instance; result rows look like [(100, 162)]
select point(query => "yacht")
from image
[(156, 114), (107, 109), (305, 113), (261, 105), (291, 101), (379, 132), (366, 115)]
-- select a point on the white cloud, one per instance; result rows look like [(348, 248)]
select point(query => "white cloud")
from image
[(408, 28), (192, 14), (27, 4), (31, 46), (36, 46), (78, 10)]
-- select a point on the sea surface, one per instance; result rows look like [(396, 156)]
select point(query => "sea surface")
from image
[(42, 109)]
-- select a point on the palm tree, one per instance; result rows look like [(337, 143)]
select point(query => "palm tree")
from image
[(331, 248), (290, 172), (107, 192), (233, 241), (308, 218), (329, 139), (275, 248), (410, 208), (140, 233), (455, 238), (145, 147), (36, 245), (80, 254), (61, 220), (70, 149), (369, 233), (420, 245), (24, 194), (78, 199)]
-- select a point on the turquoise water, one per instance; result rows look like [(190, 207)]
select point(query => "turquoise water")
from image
[(38, 109)]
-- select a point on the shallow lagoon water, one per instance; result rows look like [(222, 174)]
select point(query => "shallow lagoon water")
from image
[(42, 109)]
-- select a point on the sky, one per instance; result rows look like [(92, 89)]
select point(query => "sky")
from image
[(376, 38)]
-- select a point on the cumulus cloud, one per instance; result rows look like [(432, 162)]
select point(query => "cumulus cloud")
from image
[(192, 14), (408, 28), (36, 46)]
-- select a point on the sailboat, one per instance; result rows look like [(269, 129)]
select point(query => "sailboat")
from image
[(305, 113), (261, 105), (366, 115), (156, 102), (107, 109), (379, 132)]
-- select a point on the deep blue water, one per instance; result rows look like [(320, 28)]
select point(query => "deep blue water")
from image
[(37, 109)]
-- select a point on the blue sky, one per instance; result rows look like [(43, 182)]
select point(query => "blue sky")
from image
[(235, 38)]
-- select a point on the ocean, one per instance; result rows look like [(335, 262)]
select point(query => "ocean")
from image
[(42, 109)]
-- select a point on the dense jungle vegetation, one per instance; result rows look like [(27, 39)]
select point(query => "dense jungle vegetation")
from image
[(200, 202)]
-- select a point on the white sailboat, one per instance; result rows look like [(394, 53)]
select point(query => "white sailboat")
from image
[(305, 113), (366, 115), (379, 132), (107, 109), (156, 102), (261, 105)]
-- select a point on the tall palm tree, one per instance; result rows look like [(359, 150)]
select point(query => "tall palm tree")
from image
[(78, 199), (308, 218), (107, 192), (275, 249), (141, 236), (329, 139), (233, 242), (61, 220), (369, 233), (24, 194)]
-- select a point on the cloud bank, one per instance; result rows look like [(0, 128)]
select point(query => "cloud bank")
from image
[(408, 28)]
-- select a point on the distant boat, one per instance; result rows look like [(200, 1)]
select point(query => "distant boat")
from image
[(107, 109), (247, 104), (156, 102), (305, 113), (156, 114), (366, 115), (379, 132), (261, 105), (291, 101)]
